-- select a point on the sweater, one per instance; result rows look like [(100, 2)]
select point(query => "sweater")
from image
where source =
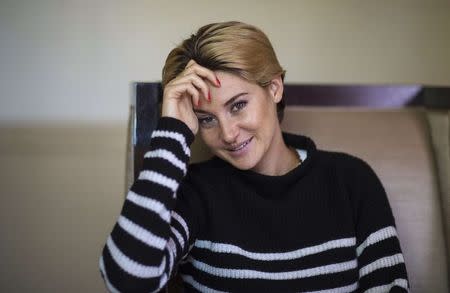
[(325, 226)]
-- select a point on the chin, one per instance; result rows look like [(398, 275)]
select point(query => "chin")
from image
[(241, 166)]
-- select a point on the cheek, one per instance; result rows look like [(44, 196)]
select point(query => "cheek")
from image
[(257, 116), (209, 137)]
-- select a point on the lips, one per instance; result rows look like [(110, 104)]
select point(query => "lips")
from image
[(240, 146)]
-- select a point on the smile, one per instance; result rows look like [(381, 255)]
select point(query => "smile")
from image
[(241, 146)]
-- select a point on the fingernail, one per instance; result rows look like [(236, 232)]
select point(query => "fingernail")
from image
[(218, 81)]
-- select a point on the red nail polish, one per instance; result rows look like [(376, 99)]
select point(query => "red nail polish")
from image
[(218, 81)]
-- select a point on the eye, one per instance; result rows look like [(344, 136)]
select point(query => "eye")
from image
[(238, 106), (207, 121)]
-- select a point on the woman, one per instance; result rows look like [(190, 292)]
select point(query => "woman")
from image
[(269, 212)]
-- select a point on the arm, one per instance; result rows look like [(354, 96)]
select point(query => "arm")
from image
[(150, 238), (157, 222), (380, 260)]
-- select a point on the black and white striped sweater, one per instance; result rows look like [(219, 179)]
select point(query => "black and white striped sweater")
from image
[(325, 226)]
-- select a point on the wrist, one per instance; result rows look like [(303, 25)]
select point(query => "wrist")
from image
[(169, 123)]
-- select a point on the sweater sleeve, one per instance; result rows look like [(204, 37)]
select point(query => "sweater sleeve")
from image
[(380, 260), (157, 223)]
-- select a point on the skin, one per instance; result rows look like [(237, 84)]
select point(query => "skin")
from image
[(238, 112)]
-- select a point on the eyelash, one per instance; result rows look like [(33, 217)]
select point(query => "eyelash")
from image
[(239, 106), (236, 107), (203, 121)]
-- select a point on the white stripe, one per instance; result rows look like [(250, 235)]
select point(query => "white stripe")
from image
[(253, 274), (110, 287), (162, 282), (132, 267), (169, 156), (173, 248), (229, 248), (173, 135), (385, 288), (202, 288), (179, 237), (172, 253), (380, 263), (149, 204), (141, 234), (182, 223), (159, 179), (302, 154), (376, 237), (345, 289)]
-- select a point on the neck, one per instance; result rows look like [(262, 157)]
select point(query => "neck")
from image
[(279, 159)]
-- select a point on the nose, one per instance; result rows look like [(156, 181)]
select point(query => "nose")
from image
[(229, 132)]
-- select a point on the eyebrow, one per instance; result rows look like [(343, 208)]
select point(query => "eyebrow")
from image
[(230, 101)]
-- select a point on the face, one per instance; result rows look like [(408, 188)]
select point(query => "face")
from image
[(240, 122)]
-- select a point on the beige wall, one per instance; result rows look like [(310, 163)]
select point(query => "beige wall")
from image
[(70, 63), (74, 60), (61, 191)]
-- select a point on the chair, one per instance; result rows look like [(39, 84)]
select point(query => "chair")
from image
[(407, 147)]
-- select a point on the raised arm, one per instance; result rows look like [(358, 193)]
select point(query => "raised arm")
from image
[(159, 218)]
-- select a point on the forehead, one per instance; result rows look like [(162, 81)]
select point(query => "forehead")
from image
[(231, 84)]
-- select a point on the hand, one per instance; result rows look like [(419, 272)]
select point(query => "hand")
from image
[(189, 88)]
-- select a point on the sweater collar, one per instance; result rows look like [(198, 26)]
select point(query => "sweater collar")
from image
[(274, 186)]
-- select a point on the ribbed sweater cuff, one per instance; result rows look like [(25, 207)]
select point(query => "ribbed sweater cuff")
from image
[(173, 124)]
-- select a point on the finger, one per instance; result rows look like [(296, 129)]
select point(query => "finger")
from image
[(198, 82), (193, 92), (202, 72), (178, 91), (191, 62)]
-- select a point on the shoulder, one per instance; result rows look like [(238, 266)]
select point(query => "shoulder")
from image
[(363, 186), (354, 171), (343, 161), (324, 157)]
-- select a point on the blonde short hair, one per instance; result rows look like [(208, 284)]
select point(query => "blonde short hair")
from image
[(233, 47)]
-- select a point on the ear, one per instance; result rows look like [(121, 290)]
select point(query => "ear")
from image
[(276, 89)]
